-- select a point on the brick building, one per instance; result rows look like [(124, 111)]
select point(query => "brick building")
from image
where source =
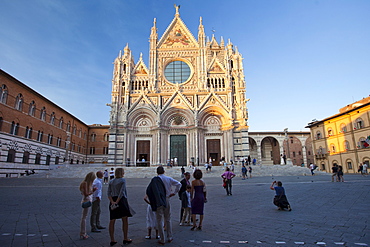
[(34, 130)]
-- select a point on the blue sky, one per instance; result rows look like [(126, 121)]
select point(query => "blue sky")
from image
[(303, 59)]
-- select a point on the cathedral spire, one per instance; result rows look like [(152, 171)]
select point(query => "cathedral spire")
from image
[(201, 34)]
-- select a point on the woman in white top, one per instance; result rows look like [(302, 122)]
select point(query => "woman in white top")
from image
[(86, 191)]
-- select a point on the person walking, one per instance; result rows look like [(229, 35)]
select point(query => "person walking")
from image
[(280, 199), (250, 171), (364, 169), (312, 168), (95, 210), (86, 190), (111, 173), (199, 197), (106, 176), (340, 174), (334, 169), (118, 206), (159, 192), (227, 176)]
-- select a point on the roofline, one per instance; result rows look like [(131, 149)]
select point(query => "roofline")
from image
[(38, 94), (336, 115)]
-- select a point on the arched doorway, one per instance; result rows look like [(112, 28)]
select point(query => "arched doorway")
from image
[(270, 151)]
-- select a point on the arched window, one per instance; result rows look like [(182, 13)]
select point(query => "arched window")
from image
[(40, 135), (332, 148), (74, 129), (68, 127), (59, 140), (323, 166), (11, 156), (364, 143), (343, 128), (50, 139), (318, 135), (32, 109), (349, 165), (346, 145), (3, 94), (93, 137), (19, 102), (80, 133), (106, 137), (26, 157), (330, 132), (52, 118), (38, 159), (14, 128), (1, 123), (61, 123), (359, 124), (43, 114)]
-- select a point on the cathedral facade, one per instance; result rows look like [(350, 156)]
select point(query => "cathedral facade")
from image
[(188, 105)]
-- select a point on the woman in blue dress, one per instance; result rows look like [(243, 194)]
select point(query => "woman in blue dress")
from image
[(199, 197)]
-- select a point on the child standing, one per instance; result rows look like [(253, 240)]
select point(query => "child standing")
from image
[(151, 220), (186, 205)]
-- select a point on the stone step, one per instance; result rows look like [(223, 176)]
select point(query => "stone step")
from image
[(79, 171)]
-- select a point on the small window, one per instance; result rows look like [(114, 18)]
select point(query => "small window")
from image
[(318, 135), (68, 127), (349, 165), (93, 137), (332, 148), (40, 136), (330, 132), (343, 128), (61, 123), (359, 124), (14, 128), (52, 118), (92, 150), (43, 114), (323, 166), (346, 145), (364, 143), (3, 94), (32, 109), (11, 156), (19, 102)]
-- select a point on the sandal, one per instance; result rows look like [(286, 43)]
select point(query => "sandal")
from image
[(128, 241), (148, 237), (84, 236), (193, 228), (199, 228)]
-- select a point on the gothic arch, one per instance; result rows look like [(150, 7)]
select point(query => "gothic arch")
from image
[(137, 117), (212, 111), (253, 151), (177, 116)]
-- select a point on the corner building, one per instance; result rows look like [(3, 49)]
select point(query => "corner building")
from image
[(188, 104)]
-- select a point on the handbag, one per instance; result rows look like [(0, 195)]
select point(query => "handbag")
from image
[(86, 204)]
